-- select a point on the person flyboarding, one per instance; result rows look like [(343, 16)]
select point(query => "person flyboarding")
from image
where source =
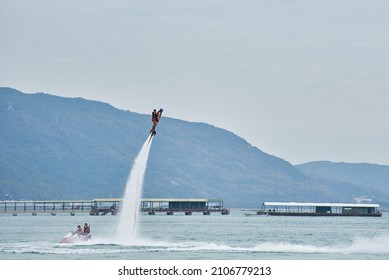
[(155, 117)]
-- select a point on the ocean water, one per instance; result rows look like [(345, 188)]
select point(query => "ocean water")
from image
[(198, 237)]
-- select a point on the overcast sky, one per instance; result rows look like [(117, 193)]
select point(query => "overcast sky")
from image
[(303, 80)]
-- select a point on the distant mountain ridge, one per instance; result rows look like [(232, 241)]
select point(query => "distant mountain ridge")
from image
[(71, 148), (373, 178)]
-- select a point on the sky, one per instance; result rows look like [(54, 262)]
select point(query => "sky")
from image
[(303, 80)]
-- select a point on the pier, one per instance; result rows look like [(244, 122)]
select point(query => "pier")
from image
[(185, 205), (104, 206), (45, 206)]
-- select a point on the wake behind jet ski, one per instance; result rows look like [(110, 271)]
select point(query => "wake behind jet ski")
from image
[(155, 117)]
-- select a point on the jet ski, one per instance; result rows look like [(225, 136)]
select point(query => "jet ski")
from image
[(74, 237)]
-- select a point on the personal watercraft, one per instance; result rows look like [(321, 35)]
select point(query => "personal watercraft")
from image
[(75, 237)]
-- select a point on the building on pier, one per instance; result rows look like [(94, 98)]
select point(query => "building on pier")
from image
[(319, 209), (181, 204)]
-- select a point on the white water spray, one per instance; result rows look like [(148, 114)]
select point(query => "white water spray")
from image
[(127, 225)]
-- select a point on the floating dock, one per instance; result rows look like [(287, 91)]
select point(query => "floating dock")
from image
[(187, 206), (319, 209), (104, 206)]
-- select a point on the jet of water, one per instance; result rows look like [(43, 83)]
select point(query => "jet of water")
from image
[(127, 225)]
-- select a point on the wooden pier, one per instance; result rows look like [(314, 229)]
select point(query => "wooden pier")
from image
[(104, 206)]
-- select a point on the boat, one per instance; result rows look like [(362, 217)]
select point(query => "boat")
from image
[(319, 209), (257, 214), (74, 237)]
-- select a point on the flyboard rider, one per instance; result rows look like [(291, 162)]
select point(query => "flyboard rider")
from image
[(155, 116)]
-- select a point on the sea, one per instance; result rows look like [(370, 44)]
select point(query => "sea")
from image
[(197, 237), (193, 246)]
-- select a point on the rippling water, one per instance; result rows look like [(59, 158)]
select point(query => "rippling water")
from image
[(234, 236)]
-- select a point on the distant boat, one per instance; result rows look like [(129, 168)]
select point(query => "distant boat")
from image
[(255, 214)]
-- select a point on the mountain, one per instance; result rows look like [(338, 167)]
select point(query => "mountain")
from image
[(371, 179), (71, 148)]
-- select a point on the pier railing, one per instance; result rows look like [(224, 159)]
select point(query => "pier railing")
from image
[(52, 207)]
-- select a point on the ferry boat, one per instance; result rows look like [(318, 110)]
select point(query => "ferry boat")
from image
[(319, 209)]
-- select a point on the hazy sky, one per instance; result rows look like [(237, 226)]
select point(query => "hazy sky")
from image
[(303, 80)]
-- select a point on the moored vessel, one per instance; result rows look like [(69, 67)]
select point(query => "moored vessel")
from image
[(319, 209)]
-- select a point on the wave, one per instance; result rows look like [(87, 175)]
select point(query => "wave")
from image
[(104, 247)]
